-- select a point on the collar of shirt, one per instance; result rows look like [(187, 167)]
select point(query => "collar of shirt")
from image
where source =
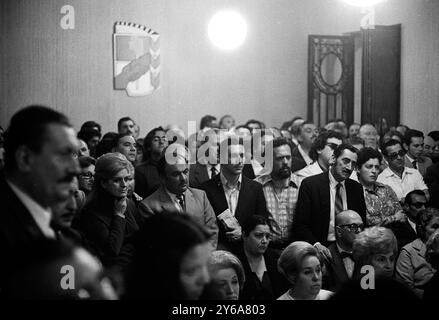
[(174, 198), (341, 250), (332, 182), (389, 173), (226, 183), (376, 186), (410, 158), (42, 216), (217, 167), (267, 178), (305, 156), (412, 224)]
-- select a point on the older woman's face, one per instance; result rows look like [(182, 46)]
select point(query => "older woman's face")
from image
[(309, 280), (369, 171), (193, 271), (225, 284), (256, 242), (431, 227), (383, 263), (117, 186)]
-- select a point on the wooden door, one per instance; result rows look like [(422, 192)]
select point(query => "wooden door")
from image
[(381, 75), (330, 78)]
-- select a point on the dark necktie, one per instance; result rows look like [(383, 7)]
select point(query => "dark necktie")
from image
[(180, 198), (338, 200), (213, 171), (345, 254), (415, 164)]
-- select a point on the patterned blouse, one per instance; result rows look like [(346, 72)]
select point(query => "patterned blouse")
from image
[(381, 204)]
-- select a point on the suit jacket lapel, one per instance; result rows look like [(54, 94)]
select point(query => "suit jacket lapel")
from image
[(242, 198), (165, 200)]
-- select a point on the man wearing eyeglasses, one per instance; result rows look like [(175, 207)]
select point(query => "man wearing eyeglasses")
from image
[(405, 231), (399, 177), (322, 197), (347, 225), (321, 153)]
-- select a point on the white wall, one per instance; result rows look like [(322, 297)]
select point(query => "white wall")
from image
[(265, 79)]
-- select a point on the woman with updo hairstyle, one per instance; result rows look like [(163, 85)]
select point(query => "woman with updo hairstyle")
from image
[(300, 264), (226, 276), (170, 259), (108, 219), (412, 267), (376, 247)]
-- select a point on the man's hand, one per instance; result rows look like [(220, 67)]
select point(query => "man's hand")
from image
[(326, 254), (235, 234)]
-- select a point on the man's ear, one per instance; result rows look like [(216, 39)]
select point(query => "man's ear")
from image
[(24, 158), (332, 160), (405, 146)]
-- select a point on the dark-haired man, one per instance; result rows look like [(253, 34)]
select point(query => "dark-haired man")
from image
[(400, 178), (126, 125), (414, 145), (281, 190), (322, 197), (175, 195), (40, 165)]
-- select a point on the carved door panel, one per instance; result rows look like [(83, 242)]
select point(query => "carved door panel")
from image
[(330, 78)]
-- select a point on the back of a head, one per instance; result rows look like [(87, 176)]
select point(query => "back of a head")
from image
[(28, 127), (160, 246), (384, 288)]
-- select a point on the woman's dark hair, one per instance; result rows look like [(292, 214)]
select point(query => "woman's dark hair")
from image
[(104, 146), (366, 154), (160, 246), (251, 222), (147, 142)]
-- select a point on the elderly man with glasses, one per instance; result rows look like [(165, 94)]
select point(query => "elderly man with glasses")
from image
[(340, 269), (399, 177)]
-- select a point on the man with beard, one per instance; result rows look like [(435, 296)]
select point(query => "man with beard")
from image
[(175, 195), (414, 145), (40, 164), (233, 196), (322, 197), (280, 191), (399, 177)]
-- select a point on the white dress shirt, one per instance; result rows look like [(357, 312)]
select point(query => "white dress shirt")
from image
[(231, 192), (411, 180)]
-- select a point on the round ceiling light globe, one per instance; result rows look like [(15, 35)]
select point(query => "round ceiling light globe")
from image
[(227, 30)]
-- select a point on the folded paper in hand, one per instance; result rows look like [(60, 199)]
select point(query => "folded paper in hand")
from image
[(228, 220)]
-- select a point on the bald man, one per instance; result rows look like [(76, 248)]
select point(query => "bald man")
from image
[(348, 224)]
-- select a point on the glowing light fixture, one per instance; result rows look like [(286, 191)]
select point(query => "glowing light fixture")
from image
[(227, 30), (363, 3)]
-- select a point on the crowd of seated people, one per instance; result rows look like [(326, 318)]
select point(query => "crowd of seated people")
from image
[(232, 212)]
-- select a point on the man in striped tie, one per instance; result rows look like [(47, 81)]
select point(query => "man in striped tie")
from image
[(323, 196)]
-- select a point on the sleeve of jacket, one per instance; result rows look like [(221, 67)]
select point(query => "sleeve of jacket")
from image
[(107, 240), (261, 204), (404, 269), (210, 221), (301, 226), (144, 210)]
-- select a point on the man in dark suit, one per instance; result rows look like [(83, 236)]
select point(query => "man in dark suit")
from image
[(40, 165), (308, 132), (405, 231), (432, 181), (175, 195), (232, 195), (323, 196), (347, 225)]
